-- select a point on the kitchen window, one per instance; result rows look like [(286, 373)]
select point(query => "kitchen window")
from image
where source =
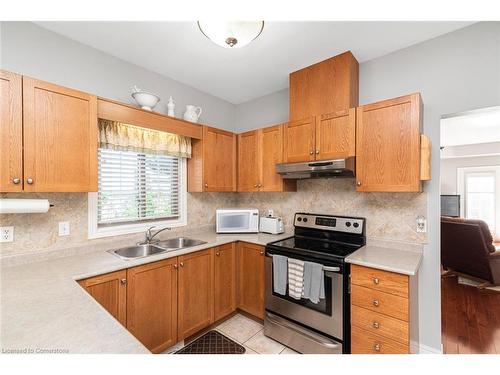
[(480, 189), (136, 190)]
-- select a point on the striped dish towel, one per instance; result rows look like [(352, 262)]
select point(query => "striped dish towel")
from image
[(295, 278)]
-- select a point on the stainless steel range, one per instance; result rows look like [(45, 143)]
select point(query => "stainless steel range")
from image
[(308, 327)]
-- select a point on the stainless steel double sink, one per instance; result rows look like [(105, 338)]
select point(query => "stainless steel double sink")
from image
[(141, 251)]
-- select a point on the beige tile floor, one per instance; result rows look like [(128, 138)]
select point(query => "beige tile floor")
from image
[(250, 334)]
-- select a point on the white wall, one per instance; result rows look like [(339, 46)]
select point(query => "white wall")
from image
[(449, 170), (455, 72), (31, 50)]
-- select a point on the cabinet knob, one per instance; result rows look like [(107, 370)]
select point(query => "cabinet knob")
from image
[(123, 281), (358, 183), (181, 264), (260, 185), (376, 325), (29, 180), (256, 185), (261, 253), (317, 152), (376, 280), (311, 152), (217, 254), (206, 185), (376, 347), (16, 180), (175, 266), (376, 302)]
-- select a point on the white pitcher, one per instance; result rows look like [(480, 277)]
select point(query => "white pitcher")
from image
[(192, 113)]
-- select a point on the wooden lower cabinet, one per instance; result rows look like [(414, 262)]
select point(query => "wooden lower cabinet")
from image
[(380, 311), (152, 304), (251, 278), (363, 342), (164, 302), (110, 290), (224, 280), (195, 292)]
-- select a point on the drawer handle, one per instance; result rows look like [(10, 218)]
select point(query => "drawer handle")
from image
[(376, 280), (376, 325), (376, 302), (376, 347)]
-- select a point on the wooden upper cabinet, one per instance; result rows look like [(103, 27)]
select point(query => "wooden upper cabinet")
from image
[(326, 87), (388, 145), (299, 140), (110, 290), (212, 166), (271, 151), (258, 153), (196, 292), (225, 280), (152, 304), (249, 164), (11, 132), (335, 135), (60, 138), (251, 278)]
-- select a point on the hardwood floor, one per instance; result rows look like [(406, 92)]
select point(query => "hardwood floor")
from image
[(470, 318)]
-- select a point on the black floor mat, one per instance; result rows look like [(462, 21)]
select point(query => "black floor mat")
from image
[(212, 342)]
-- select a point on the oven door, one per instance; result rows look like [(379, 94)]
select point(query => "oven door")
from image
[(326, 316)]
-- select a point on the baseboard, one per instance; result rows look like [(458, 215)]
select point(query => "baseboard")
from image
[(424, 349)]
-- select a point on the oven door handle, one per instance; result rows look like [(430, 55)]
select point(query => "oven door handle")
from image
[(325, 268), (311, 336)]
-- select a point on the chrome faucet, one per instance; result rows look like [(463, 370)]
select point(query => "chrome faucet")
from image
[(149, 237)]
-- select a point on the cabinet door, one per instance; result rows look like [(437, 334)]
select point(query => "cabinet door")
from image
[(299, 140), (335, 135), (388, 145), (196, 292), (219, 164), (248, 161), (272, 153), (60, 138), (110, 290), (225, 280), (251, 279), (152, 304), (11, 132)]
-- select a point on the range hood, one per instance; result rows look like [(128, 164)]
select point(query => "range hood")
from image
[(316, 169)]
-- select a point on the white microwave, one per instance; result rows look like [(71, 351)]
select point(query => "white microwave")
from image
[(237, 220)]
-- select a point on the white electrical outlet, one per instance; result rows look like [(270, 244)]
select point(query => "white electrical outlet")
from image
[(64, 228), (421, 224), (6, 234)]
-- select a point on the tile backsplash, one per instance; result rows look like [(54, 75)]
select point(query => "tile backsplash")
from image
[(390, 216)]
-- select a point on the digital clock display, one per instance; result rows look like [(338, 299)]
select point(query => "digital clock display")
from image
[(326, 221)]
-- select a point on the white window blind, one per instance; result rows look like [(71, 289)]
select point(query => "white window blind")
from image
[(136, 187)]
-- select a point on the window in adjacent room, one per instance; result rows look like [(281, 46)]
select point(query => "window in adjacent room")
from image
[(480, 188)]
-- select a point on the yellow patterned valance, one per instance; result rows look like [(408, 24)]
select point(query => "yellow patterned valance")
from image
[(124, 137)]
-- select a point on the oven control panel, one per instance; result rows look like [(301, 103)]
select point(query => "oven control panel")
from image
[(333, 223)]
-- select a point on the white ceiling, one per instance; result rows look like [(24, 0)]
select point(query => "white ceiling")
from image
[(472, 127), (180, 51)]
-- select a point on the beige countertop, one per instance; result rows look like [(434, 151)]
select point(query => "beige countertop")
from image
[(400, 260), (43, 308)]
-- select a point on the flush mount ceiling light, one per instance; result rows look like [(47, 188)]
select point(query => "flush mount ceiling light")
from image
[(231, 34)]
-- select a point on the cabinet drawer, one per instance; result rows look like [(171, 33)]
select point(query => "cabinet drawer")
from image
[(363, 342), (380, 324), (380, 302), (384, 281)]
